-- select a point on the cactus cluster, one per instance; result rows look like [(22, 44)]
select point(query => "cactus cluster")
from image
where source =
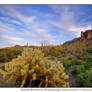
[(33, 69)]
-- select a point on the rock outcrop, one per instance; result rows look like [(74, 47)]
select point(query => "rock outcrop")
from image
[(86, 35)]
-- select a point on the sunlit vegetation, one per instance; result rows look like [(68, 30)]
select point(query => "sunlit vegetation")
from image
[(8, 54), (54, 51), (49, 66), (79, 63), (33, 69)]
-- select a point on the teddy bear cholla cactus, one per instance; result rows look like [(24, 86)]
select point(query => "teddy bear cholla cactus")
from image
[(32, 69)]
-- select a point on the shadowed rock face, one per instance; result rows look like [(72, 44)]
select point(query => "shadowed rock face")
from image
[(86, 35)]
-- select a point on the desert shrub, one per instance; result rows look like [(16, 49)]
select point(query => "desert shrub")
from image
[(88, 58), (56, 51), (84, 79), (82, 74), (13, 53), (88, 78), (70, 57), (2, 67), (87, 65), (80, 79), (79, 55), (77, 69), (32, 69), (4, 58), (89, 49), (75, 61), (66, 63), (70, 62), (8, 54)]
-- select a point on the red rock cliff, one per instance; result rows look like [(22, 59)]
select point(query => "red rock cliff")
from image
[(86, 35)]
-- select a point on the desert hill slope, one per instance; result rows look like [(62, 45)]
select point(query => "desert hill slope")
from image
[(75, 55)]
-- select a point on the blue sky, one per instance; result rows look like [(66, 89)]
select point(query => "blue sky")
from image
[(50, 24)]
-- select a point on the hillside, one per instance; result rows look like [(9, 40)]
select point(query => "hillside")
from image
[(78, 62), (75, 55)]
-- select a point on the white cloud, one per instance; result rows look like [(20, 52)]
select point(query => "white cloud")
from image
[(9, 11), (5, 37), (8, 41), (68, 19), (7, 28), (10, 20), (16, 22), (72, 28), (9, 44), (34, 31), (33, 34)]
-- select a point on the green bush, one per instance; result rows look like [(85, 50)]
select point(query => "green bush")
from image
[(89, 49), (84, 79), (8, 54), (77, 69), (80, 79), (88, 58), (70, 57), (86, 64), (75, 61), (79, 55), (66, 63), (56, 51), (2, 67), (88, 78)]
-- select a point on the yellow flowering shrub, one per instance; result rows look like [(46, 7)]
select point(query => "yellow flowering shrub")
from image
[(32, 69)]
